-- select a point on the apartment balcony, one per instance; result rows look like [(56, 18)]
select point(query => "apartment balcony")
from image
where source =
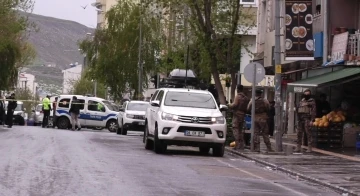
[(352, 56), (99, 4)]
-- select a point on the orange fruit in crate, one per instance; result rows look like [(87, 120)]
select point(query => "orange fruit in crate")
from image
[(321, 124), (232, 144), (315, 124), (317, 119), (326, 124)]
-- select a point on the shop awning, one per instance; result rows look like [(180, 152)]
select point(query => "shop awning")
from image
[(329, 79)]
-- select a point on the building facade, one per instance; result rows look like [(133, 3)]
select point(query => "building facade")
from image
[(26, 81), (70, 76)]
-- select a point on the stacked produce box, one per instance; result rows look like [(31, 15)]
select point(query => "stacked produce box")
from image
[(328, 131)]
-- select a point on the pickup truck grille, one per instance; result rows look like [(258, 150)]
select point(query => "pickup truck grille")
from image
[(140, 117), (194, 119)]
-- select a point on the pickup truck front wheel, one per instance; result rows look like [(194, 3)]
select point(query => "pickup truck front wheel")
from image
[(159, 146)]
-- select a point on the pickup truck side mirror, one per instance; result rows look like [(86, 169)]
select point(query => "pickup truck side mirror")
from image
[(223, 108), (155, 103)]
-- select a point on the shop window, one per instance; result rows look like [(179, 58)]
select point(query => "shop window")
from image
[(64, 103)]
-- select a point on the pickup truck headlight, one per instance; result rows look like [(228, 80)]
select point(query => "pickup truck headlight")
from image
[(166, 116), (218, 120), (129, 116)]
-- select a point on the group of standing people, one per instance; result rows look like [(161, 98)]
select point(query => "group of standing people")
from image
[(241, 106), (264, 118), (74, 112)]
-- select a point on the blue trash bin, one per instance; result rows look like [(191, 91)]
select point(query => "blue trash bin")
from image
[(357, 142)]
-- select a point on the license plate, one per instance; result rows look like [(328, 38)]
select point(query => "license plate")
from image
[(195, 133), (141, 123)]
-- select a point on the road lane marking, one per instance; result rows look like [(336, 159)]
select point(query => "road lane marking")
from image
[(259, 177)]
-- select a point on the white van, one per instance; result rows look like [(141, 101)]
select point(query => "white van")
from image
[(90, 116)]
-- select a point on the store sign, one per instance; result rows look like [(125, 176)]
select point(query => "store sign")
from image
[(299, 42), (268, 81), (339, 46)]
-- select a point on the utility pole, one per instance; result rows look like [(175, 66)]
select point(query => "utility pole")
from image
[(186, 46), (140, 60), (278, 102)]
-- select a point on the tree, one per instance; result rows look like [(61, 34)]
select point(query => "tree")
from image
[(14, 27), (112, 54), (215, 26), (85, 86)]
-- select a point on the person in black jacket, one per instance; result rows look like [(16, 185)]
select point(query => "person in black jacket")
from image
[(12, 104), (2, 111), (75, 112)]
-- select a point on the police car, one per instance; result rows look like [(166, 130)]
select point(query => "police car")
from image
[(91, 115)]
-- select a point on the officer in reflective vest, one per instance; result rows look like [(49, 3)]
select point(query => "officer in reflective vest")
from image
[(46, 109)]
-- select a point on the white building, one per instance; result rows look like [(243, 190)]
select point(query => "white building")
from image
[(70, 76), (27, 81)]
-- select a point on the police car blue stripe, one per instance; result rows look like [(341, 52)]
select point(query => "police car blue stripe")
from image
[(89, 116)]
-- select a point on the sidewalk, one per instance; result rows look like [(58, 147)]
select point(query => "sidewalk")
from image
[(336, 171)]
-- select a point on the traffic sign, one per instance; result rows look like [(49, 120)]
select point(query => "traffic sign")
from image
[(256, 77)]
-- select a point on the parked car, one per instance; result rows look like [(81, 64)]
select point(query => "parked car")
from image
[(90, 115), (39, 115), (19, 113), (132, 116), (185, 117)]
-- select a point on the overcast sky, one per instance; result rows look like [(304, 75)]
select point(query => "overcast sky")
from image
[(68, 9)]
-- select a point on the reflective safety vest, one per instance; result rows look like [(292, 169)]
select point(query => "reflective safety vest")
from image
[(46, 103), (99, 106)]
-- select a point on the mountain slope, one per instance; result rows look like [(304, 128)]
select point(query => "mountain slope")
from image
[(56, 43)]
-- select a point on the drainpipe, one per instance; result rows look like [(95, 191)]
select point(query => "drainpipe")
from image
[(324, 10)]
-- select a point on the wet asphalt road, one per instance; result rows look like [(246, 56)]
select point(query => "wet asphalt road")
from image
[(37, 162)]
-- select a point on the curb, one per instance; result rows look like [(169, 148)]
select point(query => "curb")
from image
[(287, 171)]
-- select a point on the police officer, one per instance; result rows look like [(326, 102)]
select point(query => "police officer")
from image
[(261, 128), (46, 109), (306, 111), (239, 110), (12, 104)]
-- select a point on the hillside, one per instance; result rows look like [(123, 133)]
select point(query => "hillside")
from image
[(56, 43)]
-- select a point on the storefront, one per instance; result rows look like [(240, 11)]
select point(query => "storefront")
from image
[(337, 128)]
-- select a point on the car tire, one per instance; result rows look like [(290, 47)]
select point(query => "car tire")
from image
[(149, 144), (21, 121), (111, 126), (63, 123), (219, 151), (123, 130), (159, 146), (204, 150)]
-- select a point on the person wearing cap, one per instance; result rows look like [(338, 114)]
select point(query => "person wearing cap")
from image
[(306, 111), (261, 128), (12, 104), (239, 107), (46, 110), (74, 113)]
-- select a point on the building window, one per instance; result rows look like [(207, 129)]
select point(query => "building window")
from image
[(248, 2)]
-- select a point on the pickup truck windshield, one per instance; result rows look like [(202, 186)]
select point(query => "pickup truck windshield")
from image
[(190, 99)]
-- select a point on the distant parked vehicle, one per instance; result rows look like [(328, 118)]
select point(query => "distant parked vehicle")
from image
[(19, 113), (39, 115)]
